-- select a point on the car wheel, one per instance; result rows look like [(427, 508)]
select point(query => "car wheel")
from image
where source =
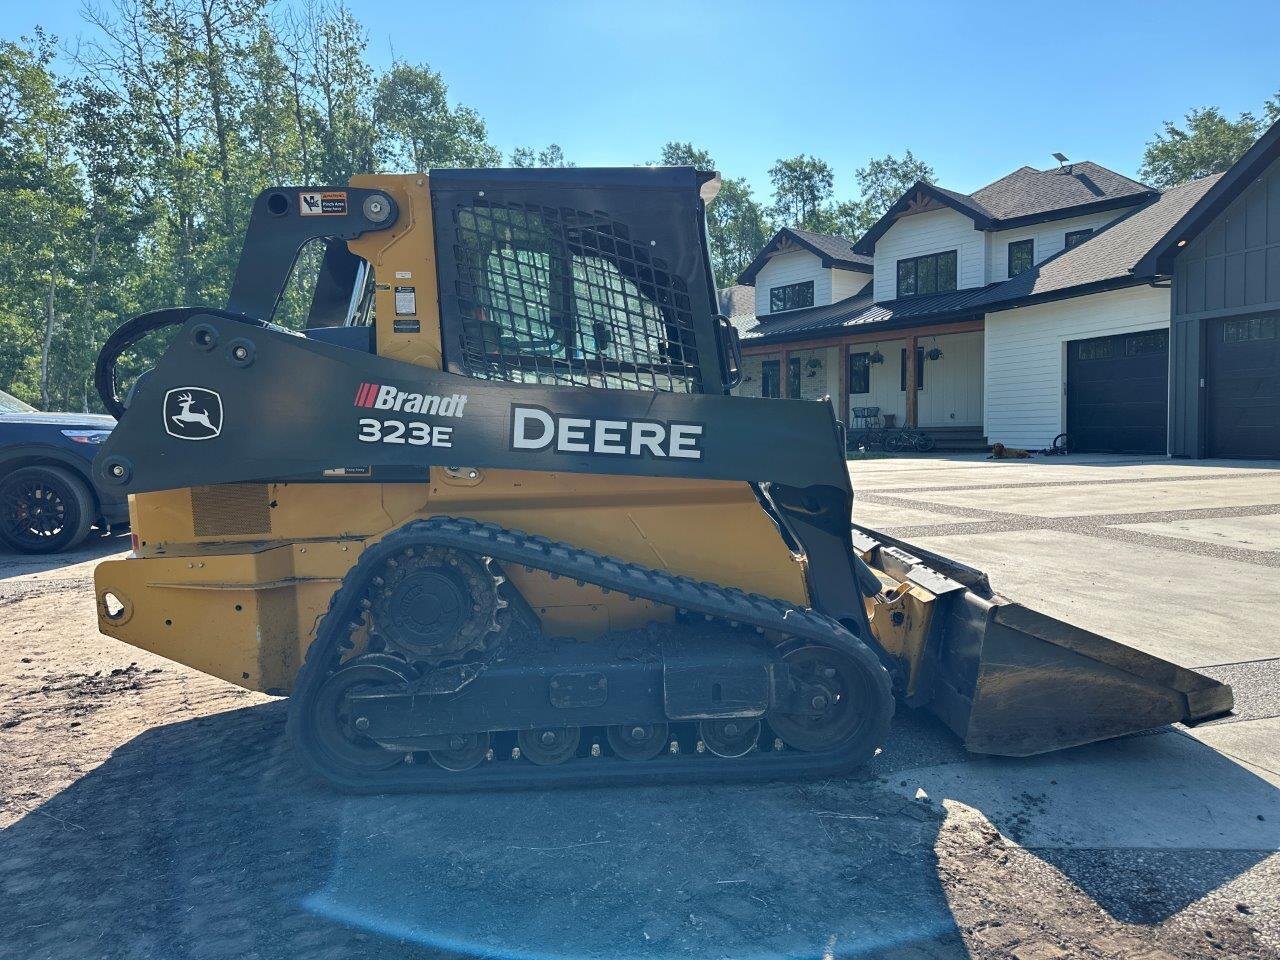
[(44, 509)]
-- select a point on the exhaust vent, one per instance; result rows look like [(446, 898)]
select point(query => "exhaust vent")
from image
[(232, 509)]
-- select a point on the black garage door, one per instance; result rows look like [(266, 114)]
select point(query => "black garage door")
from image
[(1117, 393), (1243, 381)]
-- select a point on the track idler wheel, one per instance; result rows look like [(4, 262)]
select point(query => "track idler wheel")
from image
[(336, 732), (637, 741), (548, 747), (465, 751), (845, 702), (730, 738)]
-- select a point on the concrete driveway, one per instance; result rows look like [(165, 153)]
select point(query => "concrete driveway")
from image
[(1179, 559)]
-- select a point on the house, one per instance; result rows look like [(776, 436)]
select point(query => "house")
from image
[(1027, 309), (1224, 256)]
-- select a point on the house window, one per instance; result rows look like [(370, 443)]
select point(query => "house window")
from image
[(902, 370), (1021, 256), (769, 379), (935, 273), (791, 297), (1250, 328), (1077, 237), (793, 378), (859, 373)]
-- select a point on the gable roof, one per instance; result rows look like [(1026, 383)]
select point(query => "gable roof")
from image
[(1112, 257), (1238, 178), (922, 191), (832, 251), (1028, 192), (1025, 196)]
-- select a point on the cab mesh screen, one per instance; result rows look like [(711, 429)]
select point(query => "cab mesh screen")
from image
[(558, 296)]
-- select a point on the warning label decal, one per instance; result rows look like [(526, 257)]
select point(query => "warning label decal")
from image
[(314, 203)]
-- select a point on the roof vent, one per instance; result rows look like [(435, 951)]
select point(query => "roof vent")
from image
[(1062, 160)]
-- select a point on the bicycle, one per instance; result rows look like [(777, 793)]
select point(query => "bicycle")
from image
[(909, 439)]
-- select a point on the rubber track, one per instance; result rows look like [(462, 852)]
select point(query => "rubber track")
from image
[(610, 573)]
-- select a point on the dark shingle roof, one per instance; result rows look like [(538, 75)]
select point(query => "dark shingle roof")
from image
[(737, 300), (1025, 196), (1028, 191), (1109, 255), (834, 251)]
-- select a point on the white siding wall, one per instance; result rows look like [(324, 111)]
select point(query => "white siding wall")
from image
[(816, 382), (794, 267), (886, 391), (1026, 367), (846, 283), (952, 394), (932, 232), (1049, 237)]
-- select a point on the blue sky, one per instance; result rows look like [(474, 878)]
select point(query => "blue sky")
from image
[(976, 89)]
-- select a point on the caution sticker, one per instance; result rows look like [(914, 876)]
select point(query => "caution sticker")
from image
[(316, 203), (406, 302)]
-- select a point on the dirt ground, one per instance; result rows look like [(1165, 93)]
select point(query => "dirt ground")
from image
[(147, 811)]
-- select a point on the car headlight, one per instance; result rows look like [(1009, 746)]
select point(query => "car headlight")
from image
[(86, 436)]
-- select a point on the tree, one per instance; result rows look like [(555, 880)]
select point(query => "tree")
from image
[(1208, 142), (736, 223), (802, 188), (881, 183), (423, 131), (41, 215), (552, 156)]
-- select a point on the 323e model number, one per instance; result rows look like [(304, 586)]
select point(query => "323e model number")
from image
[(415, 433)]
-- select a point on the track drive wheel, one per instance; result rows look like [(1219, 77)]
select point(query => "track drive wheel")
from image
[(850, 706), (436, 605)]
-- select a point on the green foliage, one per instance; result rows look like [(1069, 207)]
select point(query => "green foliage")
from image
[(552, 156), (127, 185), (802, 187), (1208, 142)]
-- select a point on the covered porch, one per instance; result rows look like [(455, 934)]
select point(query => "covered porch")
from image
[(940, 393)]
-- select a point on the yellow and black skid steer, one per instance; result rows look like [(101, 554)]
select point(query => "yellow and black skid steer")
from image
[(494, 519)]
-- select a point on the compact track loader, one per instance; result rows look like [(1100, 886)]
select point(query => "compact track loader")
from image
[(495, 520)]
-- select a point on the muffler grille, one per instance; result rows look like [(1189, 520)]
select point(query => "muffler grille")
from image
[(231, 509)]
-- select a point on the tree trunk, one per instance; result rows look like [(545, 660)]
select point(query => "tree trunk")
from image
[(46, 347)]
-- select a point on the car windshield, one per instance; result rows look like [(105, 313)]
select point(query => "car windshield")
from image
[(11, 404)]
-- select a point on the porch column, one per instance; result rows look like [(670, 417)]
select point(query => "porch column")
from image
[(913, 402), (842, 402), (784, 375)]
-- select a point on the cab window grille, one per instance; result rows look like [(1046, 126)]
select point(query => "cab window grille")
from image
[(560, 296)]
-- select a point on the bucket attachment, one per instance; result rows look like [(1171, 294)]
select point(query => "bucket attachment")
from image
[(1009, 680)]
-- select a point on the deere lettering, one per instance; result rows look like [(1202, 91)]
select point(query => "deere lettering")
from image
[(533, 428)]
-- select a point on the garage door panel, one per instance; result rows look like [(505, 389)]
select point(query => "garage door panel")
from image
[(1117, 393), (1243, 381)]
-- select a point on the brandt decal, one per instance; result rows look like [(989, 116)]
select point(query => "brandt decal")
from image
[(192, 413)]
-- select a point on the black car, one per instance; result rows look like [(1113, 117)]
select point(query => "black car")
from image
[(47, 500)]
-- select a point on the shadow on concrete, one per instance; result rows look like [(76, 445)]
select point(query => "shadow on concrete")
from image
[(203, 839), (96, 547)]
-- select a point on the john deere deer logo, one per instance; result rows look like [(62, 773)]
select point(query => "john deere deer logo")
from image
[(192, 413)]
